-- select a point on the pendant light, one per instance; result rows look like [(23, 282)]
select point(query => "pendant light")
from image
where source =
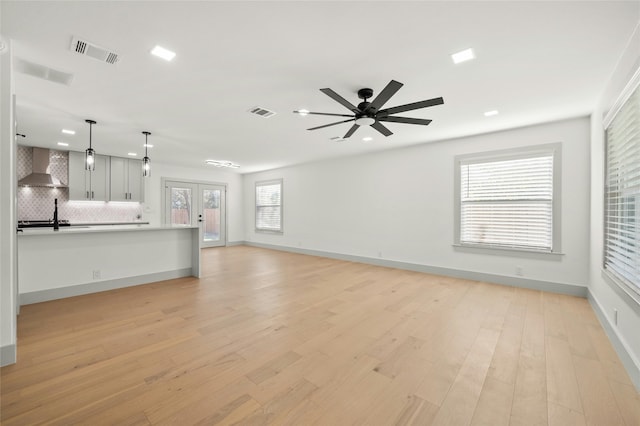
[(90, 154), (146, 161)]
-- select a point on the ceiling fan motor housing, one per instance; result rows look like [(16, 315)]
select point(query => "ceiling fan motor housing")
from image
[(362, 106)]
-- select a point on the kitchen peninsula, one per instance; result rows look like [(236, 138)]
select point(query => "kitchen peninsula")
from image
[(81, 260)]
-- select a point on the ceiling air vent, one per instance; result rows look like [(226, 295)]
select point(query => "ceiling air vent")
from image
[(42, 71), (94, 51), (262, 112)]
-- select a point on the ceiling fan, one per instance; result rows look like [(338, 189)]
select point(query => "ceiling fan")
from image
[(370, 114)]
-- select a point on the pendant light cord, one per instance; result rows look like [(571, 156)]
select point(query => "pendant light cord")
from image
[(91, 123)]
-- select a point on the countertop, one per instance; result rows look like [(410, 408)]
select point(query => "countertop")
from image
[(100, 228), (107, 223)]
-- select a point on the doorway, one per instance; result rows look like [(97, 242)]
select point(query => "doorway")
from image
[(197, 204)]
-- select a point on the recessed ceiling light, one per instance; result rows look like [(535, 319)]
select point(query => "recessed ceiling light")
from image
[(462, 56), (490, 113), (367, 138), (163, 53), (222, 163), (303, 112), (147, 145), (133, 154), (63, 144), (69, 132)]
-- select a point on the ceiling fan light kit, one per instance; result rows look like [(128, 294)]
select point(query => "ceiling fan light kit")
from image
[(370, 114), (365, 121)]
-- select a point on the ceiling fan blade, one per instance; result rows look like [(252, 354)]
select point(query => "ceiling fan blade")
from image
[(379, 127), (332, 124), (322, 113), (412, 106), (342, 101), (351, 131), (385, 95), (406, 120)]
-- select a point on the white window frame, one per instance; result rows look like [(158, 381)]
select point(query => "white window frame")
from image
[(255, 194), (609, 274), (512, 154)]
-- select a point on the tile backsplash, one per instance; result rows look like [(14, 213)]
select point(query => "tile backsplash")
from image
[(36, 203)]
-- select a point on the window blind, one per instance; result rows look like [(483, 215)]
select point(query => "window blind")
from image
[(508, 202), (269, 206), (622, 194)]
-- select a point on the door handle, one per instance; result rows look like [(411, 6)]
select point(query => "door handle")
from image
[(199, 218)]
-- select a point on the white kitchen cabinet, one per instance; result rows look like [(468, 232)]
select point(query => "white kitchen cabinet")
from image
[(126, 180), (85, 184)]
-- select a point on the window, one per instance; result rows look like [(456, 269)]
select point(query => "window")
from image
[(509, 199), (622, 196), (269, 206)]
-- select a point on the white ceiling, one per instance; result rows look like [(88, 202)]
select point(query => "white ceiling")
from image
[(536, 61)]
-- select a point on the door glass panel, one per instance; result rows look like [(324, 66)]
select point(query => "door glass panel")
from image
[(181, 206), (211, 211)]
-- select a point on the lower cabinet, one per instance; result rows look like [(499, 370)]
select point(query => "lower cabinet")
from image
[(85, 184), (126, 180)]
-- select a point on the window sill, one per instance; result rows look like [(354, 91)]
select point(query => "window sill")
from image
[(267, 231), (505, 251), (617, 284)]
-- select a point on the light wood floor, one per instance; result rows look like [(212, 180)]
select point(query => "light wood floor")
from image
[(274, 338)]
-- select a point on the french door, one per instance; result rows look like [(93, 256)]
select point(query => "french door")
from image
[(197, 204), (212, 218)]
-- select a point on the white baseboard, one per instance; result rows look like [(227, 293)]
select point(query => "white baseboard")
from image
[(80, 289), (630, 363), (7, 355), (572, 290)]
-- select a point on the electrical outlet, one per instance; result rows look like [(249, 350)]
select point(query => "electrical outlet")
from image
[(519, 271), (96, 274), (615, 317)]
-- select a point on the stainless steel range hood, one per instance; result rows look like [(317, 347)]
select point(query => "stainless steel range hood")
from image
[(40, 175)]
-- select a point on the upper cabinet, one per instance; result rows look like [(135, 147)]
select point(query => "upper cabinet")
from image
[(85, 184), (126, 180), (114, 179)]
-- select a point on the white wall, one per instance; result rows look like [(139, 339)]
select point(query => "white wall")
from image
[(152, 211), (398, 205), (606, 296), (7, 213)]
